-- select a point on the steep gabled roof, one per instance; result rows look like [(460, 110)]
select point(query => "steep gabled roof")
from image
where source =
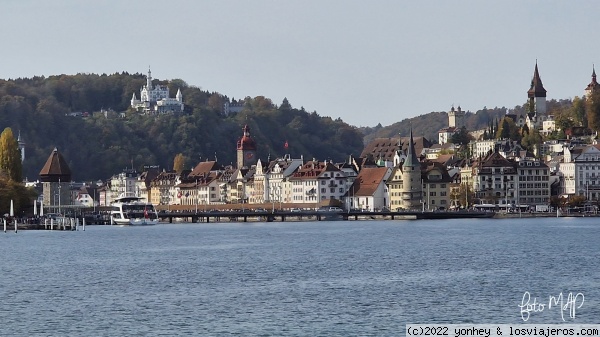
[(537, 88), (411, 157), (368, 180), (55, 169)]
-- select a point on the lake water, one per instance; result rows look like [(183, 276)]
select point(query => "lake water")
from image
[(343, 278)]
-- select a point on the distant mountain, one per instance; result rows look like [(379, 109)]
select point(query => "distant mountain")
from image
[(429, 124)]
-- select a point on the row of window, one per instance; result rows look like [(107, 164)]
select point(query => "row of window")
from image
[(534, 185)]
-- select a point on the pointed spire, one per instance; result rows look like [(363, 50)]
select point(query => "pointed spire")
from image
[(537, 88), (411, 155), (594, 85)]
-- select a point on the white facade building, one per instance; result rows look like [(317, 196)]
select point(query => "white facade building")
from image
[(155, 99), (580, 171)]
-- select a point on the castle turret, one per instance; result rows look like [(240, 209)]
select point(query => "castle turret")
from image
[(179, 97), (411, 177), (456, 118)]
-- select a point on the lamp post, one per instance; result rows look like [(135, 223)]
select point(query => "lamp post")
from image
[(197, 196), (59, 196)]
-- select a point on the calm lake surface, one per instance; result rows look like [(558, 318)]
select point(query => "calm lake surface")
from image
[(343, 278)]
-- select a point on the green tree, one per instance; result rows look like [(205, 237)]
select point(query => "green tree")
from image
[(564, 122), (508, 130), (531, 140), (462, 137), (10, 156)]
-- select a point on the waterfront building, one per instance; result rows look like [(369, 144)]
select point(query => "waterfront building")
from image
[(122, 184), (534, 182), (404, 184), (56, 179), (580, 171), (162, 188), (155, 99), (317, 181), (277, 187), (436, 186), (369, 191), (494, 180)]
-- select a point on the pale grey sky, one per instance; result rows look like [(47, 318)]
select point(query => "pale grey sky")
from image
[(366, 62)]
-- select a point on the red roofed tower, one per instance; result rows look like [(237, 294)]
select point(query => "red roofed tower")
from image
[(246, 149)]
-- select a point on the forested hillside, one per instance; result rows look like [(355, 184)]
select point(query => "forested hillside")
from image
[(104, 143)]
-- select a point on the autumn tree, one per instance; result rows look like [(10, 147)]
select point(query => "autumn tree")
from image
[(10, 156), (179, 163), (578, 111), (462, 196), (592, 107)]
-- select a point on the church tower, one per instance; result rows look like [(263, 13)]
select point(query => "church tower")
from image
[(21, 143), (246, 150), (537, 99), (593, 86), (412, 190), (456, 118)]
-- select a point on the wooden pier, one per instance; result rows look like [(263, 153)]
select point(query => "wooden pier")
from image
[(282, 216)]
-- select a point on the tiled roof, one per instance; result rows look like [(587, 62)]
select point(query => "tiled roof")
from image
[(537, 88), (385, 148), (367, 181), (55, 169), (204, 168)]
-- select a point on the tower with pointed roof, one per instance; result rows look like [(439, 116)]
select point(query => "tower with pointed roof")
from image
[(412, 189), (21, 143), (56, 178), (246, 149), (593, 86), (537, 101)]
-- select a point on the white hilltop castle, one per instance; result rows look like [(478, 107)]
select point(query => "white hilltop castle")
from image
[(156, 100)]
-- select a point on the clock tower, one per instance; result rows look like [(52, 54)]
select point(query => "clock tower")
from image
[(246, 150)]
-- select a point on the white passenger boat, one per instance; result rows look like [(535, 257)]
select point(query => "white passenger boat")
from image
[(130, 210)]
